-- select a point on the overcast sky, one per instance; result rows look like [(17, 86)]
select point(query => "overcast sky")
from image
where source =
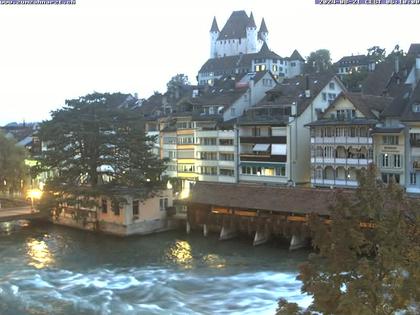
[(52, 53)]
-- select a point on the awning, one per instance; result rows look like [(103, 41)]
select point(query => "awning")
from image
[(261, 147), (278, 149)]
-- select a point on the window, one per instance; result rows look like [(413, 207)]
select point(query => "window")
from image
[(186, 140), (324, 96), (226, 142), (390, 140), (386, 177), (331, 96), (396, 159), (384, 160), (172, 155), (208, 170), (104, 205), (275, 68), (413, 178), (207, 155), (416, 108), (256, 132), (186, 168), (135, 206), (163, 204), (332, 85), (293, 64), (115, 207), (232, 111), (169, 140), (227, 157), (208, 141), (227, 172), (281, 171)]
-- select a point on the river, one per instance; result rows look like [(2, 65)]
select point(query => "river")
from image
[(47, 269)]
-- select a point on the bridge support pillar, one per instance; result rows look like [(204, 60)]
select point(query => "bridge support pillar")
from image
[(227, 233), (205, 230), (297, 242), (261, 237), (188, 227)]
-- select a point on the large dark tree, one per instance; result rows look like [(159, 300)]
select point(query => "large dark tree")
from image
[(318, 61), (12, 165), (368, 257), (95, 146)]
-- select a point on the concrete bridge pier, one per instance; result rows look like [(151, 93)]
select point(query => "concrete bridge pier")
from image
[(188, 227), (227, 233), (297, 242), (205, 230), (261, 237)]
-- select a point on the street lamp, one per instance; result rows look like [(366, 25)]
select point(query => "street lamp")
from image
[(34, 194)]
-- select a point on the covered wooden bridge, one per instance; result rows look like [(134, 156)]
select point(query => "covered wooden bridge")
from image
[(259, 210)]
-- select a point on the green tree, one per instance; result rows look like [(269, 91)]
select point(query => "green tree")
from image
[(318, 61), (12, 165), (368, 268), (353, 81), (95, 147), (376, 54)]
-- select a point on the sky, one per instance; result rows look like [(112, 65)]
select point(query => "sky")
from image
[(52, 53)]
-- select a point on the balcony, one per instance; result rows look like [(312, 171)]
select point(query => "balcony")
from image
[(267, 139), (341, 140), (341, 161), (334, 182), (415, 142), (263, 157)]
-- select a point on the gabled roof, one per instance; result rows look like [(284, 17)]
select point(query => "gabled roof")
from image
[(414, 98), (368, 105), (214, 27), (296, 56), (292, 90), (235, 26)]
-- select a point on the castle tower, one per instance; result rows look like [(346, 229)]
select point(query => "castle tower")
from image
[(263, 32), (251, 35), (214, 34)]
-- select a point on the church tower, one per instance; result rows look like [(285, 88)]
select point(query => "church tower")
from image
[(214, 34), (251, 36)]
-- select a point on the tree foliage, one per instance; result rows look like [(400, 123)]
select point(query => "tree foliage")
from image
[(318, 61), (12, 165), (370, 268), (376, 54), (95, 147), (353, 80)]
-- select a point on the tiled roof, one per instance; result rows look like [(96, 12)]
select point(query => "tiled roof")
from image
[(293, 90), (259, 197), (243, 61), (235, 26), (414, 49), (251, 21), (414, 98), (367, 104), (263, 27), (355, 60)]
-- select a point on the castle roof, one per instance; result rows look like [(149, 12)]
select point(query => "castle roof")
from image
[(236, 25), (214, 27), (251, 22), (263, 27), (243, 61)]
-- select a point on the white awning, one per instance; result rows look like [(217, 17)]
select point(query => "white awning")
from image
[(261, 147), (278, 149)]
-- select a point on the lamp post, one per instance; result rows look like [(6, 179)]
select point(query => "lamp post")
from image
[(34, 194)]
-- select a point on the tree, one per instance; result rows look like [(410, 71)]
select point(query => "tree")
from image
[(95, 147), (178, 80), (318, 61), (12, 165), (396, 53), (376, 54), (367, 259), (353, 80)]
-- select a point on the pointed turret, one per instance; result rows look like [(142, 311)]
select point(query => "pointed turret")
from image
[(214, 27), (264, 49), (251, 22), (263, 27)]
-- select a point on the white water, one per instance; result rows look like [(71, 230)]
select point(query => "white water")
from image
[(50, 270)]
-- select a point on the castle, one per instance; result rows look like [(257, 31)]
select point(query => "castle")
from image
[(240, 48)]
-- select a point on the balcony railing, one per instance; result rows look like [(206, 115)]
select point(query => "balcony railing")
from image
[(263, 157), (346, 161), (334, 182), (341, 140)]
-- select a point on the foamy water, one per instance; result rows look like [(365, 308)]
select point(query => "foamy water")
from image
[(51, 270)]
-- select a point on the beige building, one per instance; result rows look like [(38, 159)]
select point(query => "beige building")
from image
[(130, 216)]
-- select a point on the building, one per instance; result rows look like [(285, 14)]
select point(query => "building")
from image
[(274, 144), (123, 218), (239, 49), (348, 64), (341, 141)]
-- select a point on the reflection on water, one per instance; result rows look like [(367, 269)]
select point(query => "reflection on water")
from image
[(54, 270), (180, 253), (39, 254)]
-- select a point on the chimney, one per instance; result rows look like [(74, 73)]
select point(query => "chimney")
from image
[(397, 64), (307, 89)]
